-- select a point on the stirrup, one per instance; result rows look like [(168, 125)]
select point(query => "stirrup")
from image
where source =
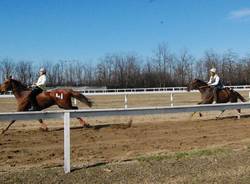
[(33, 108)]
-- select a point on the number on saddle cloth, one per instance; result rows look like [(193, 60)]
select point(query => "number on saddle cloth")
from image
[(59, 95)]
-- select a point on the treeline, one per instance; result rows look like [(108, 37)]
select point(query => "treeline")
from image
[(162, 69)]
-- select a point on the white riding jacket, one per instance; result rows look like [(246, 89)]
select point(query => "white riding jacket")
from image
[(41, 82), (214, 80)]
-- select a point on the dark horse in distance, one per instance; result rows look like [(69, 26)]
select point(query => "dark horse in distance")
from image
[(224, 95), (59, 97)]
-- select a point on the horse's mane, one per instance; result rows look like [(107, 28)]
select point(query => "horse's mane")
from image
[(201, 82), (19, 85)]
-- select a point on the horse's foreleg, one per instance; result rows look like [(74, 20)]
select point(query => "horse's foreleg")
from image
[(217, 117), (44, 126), (4, 130), (201, 102), (83, 122), (239, 113), (193, 114)]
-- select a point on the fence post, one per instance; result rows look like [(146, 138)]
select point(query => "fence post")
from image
[(125, 101), (249, 95), (66, 142), (172, 99)]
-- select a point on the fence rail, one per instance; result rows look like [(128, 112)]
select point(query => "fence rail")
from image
[(166, 89), (104, 91), (126, 92), (66, 115)]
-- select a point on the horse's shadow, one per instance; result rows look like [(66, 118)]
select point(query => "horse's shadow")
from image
[(96, 127), (234, 117)]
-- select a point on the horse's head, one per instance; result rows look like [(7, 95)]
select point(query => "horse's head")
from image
[(6, 86), (11, 84), (196, 84)]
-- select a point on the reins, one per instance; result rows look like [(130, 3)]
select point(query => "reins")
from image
[(203, 87)]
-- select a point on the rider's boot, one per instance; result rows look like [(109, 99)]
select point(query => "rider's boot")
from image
[(34, 106), (215, 96)]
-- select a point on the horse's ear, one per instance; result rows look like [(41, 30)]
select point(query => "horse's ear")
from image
[(8, 77)]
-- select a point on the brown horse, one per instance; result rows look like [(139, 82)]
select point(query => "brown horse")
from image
[(59, 97), (224, 95)]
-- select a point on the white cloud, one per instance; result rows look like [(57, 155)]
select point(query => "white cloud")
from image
[(240, 14)]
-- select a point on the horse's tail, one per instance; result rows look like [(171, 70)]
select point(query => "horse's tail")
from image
[(239, 96), (82, 98)]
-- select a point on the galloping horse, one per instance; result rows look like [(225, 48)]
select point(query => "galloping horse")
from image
[(59, 97), (224, 95)]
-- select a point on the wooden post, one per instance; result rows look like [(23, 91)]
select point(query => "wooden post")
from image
[(125, 101), (66, 142), (172, 99)]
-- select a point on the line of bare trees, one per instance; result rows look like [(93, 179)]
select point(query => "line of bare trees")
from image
[(162, 69)]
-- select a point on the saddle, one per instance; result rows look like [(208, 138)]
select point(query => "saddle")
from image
[(226, 89)]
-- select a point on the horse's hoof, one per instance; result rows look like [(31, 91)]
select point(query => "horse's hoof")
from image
[(130, 123), (44, 129), (86, 126)]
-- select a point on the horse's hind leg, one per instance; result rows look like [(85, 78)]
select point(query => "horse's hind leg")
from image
[(234, 100), (82, 121), (44, 126), (68, 105), (4, 130)]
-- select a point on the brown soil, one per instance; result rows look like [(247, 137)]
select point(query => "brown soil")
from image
[(23, 149), (28, 155)]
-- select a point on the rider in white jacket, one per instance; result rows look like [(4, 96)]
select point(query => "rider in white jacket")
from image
[(38, 88), (215, 82)]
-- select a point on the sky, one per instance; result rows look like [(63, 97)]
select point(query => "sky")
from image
[(89, 29)]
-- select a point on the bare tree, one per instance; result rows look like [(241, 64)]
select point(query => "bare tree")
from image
[(7, 67), (164, 61), (228, 67), (184, 68), (24, 72), (210, 60)]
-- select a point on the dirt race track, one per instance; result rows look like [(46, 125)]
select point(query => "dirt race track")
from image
[(154, 149)]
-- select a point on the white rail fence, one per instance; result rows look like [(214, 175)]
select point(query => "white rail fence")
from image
[(141, 91), (133, 90), (169, 89), (66, 115)]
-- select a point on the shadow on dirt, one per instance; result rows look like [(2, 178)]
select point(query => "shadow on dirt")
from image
[(97, 127)]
